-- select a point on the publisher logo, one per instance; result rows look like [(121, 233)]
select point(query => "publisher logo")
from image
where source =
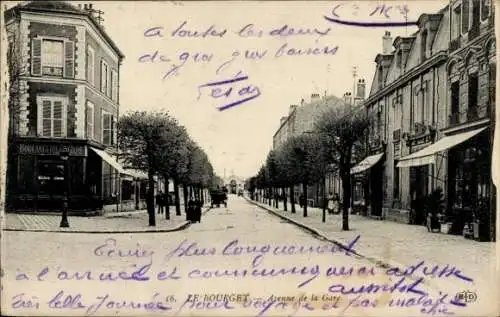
[(467, 296)]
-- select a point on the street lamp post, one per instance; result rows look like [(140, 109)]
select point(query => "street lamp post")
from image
[(64, 155)]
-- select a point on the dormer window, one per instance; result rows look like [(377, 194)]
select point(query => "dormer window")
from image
[(465, 16), (380, 76), (399, 59), (423, 46)]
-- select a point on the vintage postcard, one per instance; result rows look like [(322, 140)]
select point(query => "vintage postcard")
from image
[(249, 158)]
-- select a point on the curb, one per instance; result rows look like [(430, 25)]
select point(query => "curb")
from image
[(377, 262), (182, 226)]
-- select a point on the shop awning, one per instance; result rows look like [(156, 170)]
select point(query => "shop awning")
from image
[(136, 173), (367, 163), (113, 162), (428, 154)]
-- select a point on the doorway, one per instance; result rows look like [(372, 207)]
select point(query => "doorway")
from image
[(419, 189)]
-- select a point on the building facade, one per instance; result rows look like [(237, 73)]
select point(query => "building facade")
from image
[(63, 108), (432, 102)]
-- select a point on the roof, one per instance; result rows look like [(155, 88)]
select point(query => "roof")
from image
[(65, 8)]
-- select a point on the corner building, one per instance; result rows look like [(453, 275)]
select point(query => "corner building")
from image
[(64, 98)]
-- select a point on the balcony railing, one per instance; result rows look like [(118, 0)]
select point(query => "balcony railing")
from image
[(454, 44), (472, 114), (454, 119), (419, 128), (474, 31), (396, 135)]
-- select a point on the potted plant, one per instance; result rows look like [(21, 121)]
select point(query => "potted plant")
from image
[(434, 207)]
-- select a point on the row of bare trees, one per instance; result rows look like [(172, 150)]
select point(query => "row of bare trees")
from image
[(156, 143), (336, 143)]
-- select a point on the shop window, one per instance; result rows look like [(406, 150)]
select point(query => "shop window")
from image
[(52, 116), (51, 179)]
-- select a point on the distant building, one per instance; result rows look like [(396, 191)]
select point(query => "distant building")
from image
[(64, 100)]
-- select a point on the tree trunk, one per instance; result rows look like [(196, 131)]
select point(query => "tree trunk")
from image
[(346, 189), (190, 192), (317, 193), (167, 202), (202, 195), (151, 198), (285, 203), (324, 202), (185, 196), (177, 200), (304, 193), (292, 198), (270, 196)]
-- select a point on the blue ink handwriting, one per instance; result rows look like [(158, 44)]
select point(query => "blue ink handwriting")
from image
[(218, 92), (110, 249), (250, 30), (381, 10)]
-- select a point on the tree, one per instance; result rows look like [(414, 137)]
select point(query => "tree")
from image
[(143, 138), (341, 131), (303, 161)]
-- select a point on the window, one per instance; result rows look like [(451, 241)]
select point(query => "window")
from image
[(52, 116), (465, 16), (107, 128), (104, 77), (492, 86), (399, 59), (90, 65), (423, 46), (456, 22), (455, 103), (473, 90), (396, 181), (380, 76), (114, 85), (485, 9), (90, 120), (474, 30), (52, 57)]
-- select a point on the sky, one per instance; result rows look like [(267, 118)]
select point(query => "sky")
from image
[(238, 139)]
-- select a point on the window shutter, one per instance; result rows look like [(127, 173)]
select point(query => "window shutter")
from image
[(113, 130), (106, 129), (109, 82), (102, 76), (58, 119), (90, 120), (69, 59), (90, 65), (114, 81), (46, 118), (36, 57)]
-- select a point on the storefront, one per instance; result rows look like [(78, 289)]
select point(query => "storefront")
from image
[(42, 172), (468, 185), (368, 185)]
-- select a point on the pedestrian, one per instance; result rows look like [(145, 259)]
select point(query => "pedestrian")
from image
[(301, 200), (160, 202), (330, 204), (336, 204)]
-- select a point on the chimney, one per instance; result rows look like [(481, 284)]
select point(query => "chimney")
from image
[(348, 98), (314, 97), (361, 89), (292, 108), (282, 120), (387, 43)]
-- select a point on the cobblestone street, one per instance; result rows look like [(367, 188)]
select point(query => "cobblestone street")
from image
[(126, 222), (393, 242)]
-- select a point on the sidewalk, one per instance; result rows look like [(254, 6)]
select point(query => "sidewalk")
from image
[(126, 222), (386, 241)]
